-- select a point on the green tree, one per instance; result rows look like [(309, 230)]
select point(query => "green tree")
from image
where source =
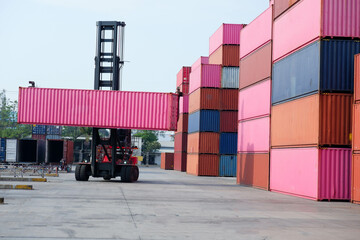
[(76, 132), (9, 128), (150, 142)]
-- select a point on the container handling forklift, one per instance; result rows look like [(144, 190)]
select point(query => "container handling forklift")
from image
[(111, 151)]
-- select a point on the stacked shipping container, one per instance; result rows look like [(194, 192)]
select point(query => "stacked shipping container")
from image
[(254, 102), (355, 189), (167, 161), (312, 83), (180, 139)]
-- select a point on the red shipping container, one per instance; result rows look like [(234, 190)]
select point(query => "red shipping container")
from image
[(203, 164), (355, 128), (204, 98), (228, 121), (39, 136), (355, 181), (182, 125), (180, 142), (184, 88), (68, 152), (229, 99), (203, 142), (253, 170), (183, 76), (225, 55), (357, 78), (180, 161), (98, 108), (167, 161)]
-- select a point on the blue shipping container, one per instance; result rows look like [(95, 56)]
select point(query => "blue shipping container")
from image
[(2, 149), (228, 143), (230, 77), (227, 166), (39, 129), (204, 121), (53, 130), (326, 66)]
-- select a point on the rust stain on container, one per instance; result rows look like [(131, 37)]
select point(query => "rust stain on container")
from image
[(229, 99), (316, 120), (226, 55), (228, 121), (256, 66), (355, 181), (281, 6), (253, 170), (204, 98), (183, 121), (202, 164), (203, 142), (357, 78)]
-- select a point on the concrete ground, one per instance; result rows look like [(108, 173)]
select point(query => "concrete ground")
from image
[(168, 205)]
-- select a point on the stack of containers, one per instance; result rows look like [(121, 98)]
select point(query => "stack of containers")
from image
[(254, 102), (312, 81), (355, 193), (167, 161), (39, 132), (180, 139)]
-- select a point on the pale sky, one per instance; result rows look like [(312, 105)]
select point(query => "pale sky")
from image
[(52, 42)]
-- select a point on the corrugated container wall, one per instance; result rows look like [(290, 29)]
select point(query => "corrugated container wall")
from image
[(230, 77), (254, 135), (254, 101), (326, 65), (39, 129), (315, 120), (319, 174), (255, 67), (184, 104), (180, 142), (184, 88), (228, 143), (180, 161), (53, 130), (281, 6), (355, 128), (183, 122), (357, 77), (11, 150), (205, 76), (204, 98), (228, 121), (225, 55), (229, 99), (228, 34), (96, 108), (204, 121), (324, 18), (203, 142), (253, 170), (257, 33), (203, 164), (227, 166), (68, 152), (355, 182), (183, 76), (2, 150), (167, 161), (201, 60)]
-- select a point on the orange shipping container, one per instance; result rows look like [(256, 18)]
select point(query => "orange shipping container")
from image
[(357, 78), (316, 120), (229, 99), (204, 98), (203, 142), (203, 164), (167, 161), (255, 67), (355, 128), (355, 183), (253, 170), (226, 55), (183, 121)]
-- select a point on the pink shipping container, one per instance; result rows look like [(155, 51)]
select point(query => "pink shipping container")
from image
[(184, 104), (254, 135), (225, 34), (310, 19), (257, 33), (319, 174), (207, 75), (98, 108), (201, 60), (183, 76), (255, 101)]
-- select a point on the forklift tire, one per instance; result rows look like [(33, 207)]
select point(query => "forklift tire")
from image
[(132, 173), (77, 172), (83, 173)]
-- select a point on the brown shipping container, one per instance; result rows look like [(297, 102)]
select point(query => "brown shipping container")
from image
[(203, 142), (183, 121), (229, 99), (228, 121), (255, 67), (184, 88), (355, 181), (281, 6), (253, 170), (355, 128), (167, 161), (204, 98), (226, 55), (357, 78), (180, 161), (316, 120), (203, 164), (180, 142)]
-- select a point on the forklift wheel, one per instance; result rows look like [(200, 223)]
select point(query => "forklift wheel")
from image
[(131, 173), (77, 172), (83, 173)]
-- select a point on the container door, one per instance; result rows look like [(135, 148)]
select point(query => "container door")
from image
[(2, 150), (11, 145)]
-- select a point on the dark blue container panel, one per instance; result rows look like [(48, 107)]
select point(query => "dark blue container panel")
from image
[(326, 65), (39, 129), (204, 121), (227, 166), (2, 149), (228, 143), (53, 130)]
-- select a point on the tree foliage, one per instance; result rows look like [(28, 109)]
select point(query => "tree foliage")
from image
[(76, 132), (9, 128), (150, 142)]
